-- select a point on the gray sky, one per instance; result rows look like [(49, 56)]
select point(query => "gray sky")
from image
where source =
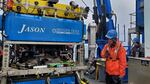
[(121, 7)]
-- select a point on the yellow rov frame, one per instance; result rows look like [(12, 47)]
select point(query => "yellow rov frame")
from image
[(41, 7)]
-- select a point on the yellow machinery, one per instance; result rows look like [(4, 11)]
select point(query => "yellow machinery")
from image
[(44, 7)]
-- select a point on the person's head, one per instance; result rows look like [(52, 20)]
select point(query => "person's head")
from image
[(136, 41), (112, 37)]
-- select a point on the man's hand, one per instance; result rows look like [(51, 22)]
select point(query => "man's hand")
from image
[(107, 54), (120, 77)]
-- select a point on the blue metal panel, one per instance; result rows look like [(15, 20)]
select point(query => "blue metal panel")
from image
[(84, 29), (108, 8), (31, 82), (99, 7), (110, 25), (64, 80), (125, 79), (36, 28), (100, 43), (139, 14), (68, 79), (143, 38)]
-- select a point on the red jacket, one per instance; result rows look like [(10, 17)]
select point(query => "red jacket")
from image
[(116, 60)]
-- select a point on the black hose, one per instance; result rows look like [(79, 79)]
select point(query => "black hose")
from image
[(3, 22), (82, 29)]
